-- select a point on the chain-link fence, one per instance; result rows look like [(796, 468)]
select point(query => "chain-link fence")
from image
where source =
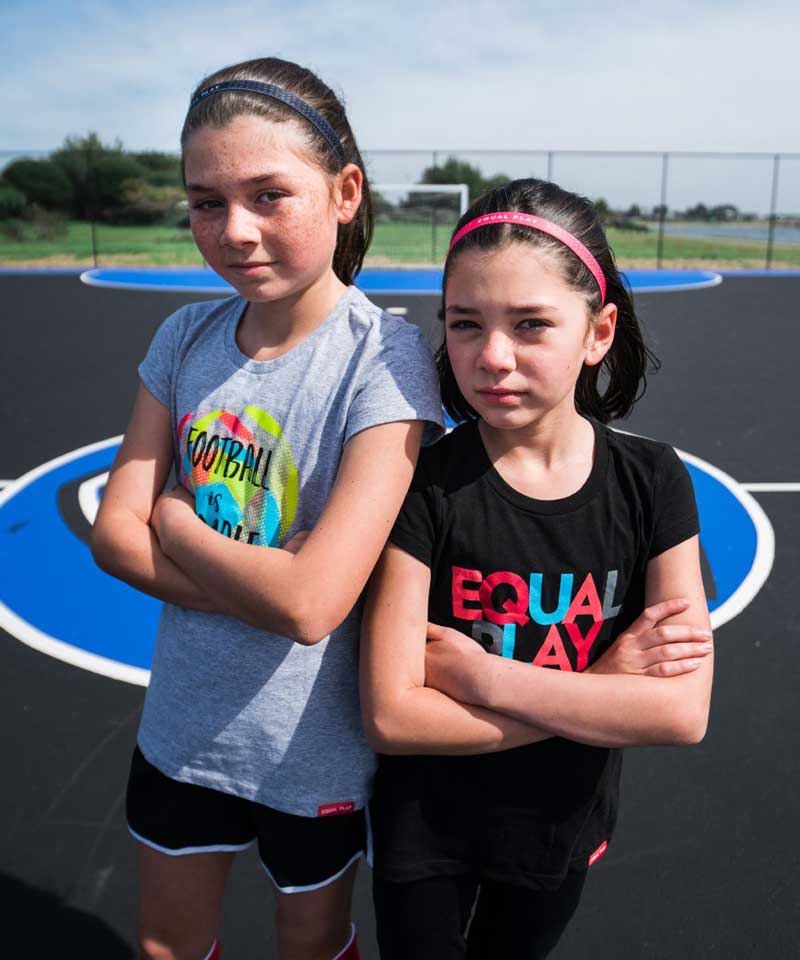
[(662, 209)]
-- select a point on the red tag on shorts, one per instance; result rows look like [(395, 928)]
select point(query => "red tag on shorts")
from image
[(598, 852), (334, 809)]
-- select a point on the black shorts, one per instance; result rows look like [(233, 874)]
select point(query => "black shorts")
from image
[(298, 853)]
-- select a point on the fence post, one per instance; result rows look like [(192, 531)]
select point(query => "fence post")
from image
[(663, 211), (94, 240), (91, 179), (773, 209), (433, 215)]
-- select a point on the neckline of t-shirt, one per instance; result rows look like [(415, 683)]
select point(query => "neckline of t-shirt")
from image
[(565, 504), (260, 367)]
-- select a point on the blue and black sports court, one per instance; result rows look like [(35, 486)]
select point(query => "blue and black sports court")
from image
[(706, 857)]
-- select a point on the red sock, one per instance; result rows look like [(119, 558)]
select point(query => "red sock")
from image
[(350, 951)]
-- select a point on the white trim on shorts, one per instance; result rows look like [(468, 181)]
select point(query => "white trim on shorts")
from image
[(349, 943), (214, 946), (312, 886), (181, 851)]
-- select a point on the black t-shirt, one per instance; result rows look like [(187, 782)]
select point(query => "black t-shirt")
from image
[(550, 582)]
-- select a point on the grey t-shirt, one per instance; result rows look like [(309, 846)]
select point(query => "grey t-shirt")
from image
[(229, 706)]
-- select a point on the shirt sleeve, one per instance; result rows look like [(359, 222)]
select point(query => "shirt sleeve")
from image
[(158, 367), (415, 529), (675, 514), (399, 383)]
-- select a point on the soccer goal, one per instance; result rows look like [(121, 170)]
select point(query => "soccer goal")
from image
[(414, 221)]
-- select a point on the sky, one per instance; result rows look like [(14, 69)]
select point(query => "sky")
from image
[(501, 75)]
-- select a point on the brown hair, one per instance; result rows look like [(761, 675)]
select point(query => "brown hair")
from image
[(352, 238)]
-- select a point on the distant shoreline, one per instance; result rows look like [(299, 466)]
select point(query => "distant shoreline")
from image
[(786, 231)]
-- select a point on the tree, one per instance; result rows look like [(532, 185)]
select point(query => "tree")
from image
[(112, 174), (454, 170), (161, 169), (12, 200), (604, 211), (98, 174), (144, 202), (725, 211), (698, 212), (381, 207), (42, 181)]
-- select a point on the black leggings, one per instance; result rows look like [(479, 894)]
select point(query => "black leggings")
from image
[(428, 919)]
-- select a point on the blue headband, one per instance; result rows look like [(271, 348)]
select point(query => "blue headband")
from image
[(277, 93)]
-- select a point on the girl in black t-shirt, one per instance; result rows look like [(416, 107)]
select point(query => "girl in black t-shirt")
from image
[(552, 541)]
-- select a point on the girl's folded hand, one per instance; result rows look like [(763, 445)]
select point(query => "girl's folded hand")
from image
[(652, 648)]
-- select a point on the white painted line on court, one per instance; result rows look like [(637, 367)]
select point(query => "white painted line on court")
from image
[(5, 483), (14, 486), (713, 281), (761, 566), (772, 487), (89, 497), (765, 543), (397, 311), (39, 640), (209, 288)]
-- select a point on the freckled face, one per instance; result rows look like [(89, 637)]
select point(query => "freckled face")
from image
[(516, 334), (263, 214)]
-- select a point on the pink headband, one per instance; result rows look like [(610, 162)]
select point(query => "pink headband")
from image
[(544, 226)]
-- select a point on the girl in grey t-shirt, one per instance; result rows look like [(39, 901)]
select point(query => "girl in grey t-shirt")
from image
[(295, 406)]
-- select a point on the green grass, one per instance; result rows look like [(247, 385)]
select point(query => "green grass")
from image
[(398, 243), (411, 242), (156, 245), (632, 245)]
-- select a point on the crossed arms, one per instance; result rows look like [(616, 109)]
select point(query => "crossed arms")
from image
[(428, 689), (155, 542)]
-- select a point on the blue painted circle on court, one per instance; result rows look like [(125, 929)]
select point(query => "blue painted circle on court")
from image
[(370, 280), (51, 581), (56, 599), (729, 536)]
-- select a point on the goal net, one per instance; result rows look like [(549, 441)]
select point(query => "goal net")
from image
[(414, 221)]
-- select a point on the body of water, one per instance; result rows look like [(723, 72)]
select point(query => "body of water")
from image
[(784, 233)]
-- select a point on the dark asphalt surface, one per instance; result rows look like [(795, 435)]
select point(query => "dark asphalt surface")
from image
[(706, 858)]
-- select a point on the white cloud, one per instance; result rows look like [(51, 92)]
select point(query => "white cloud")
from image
[(505, 74)]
